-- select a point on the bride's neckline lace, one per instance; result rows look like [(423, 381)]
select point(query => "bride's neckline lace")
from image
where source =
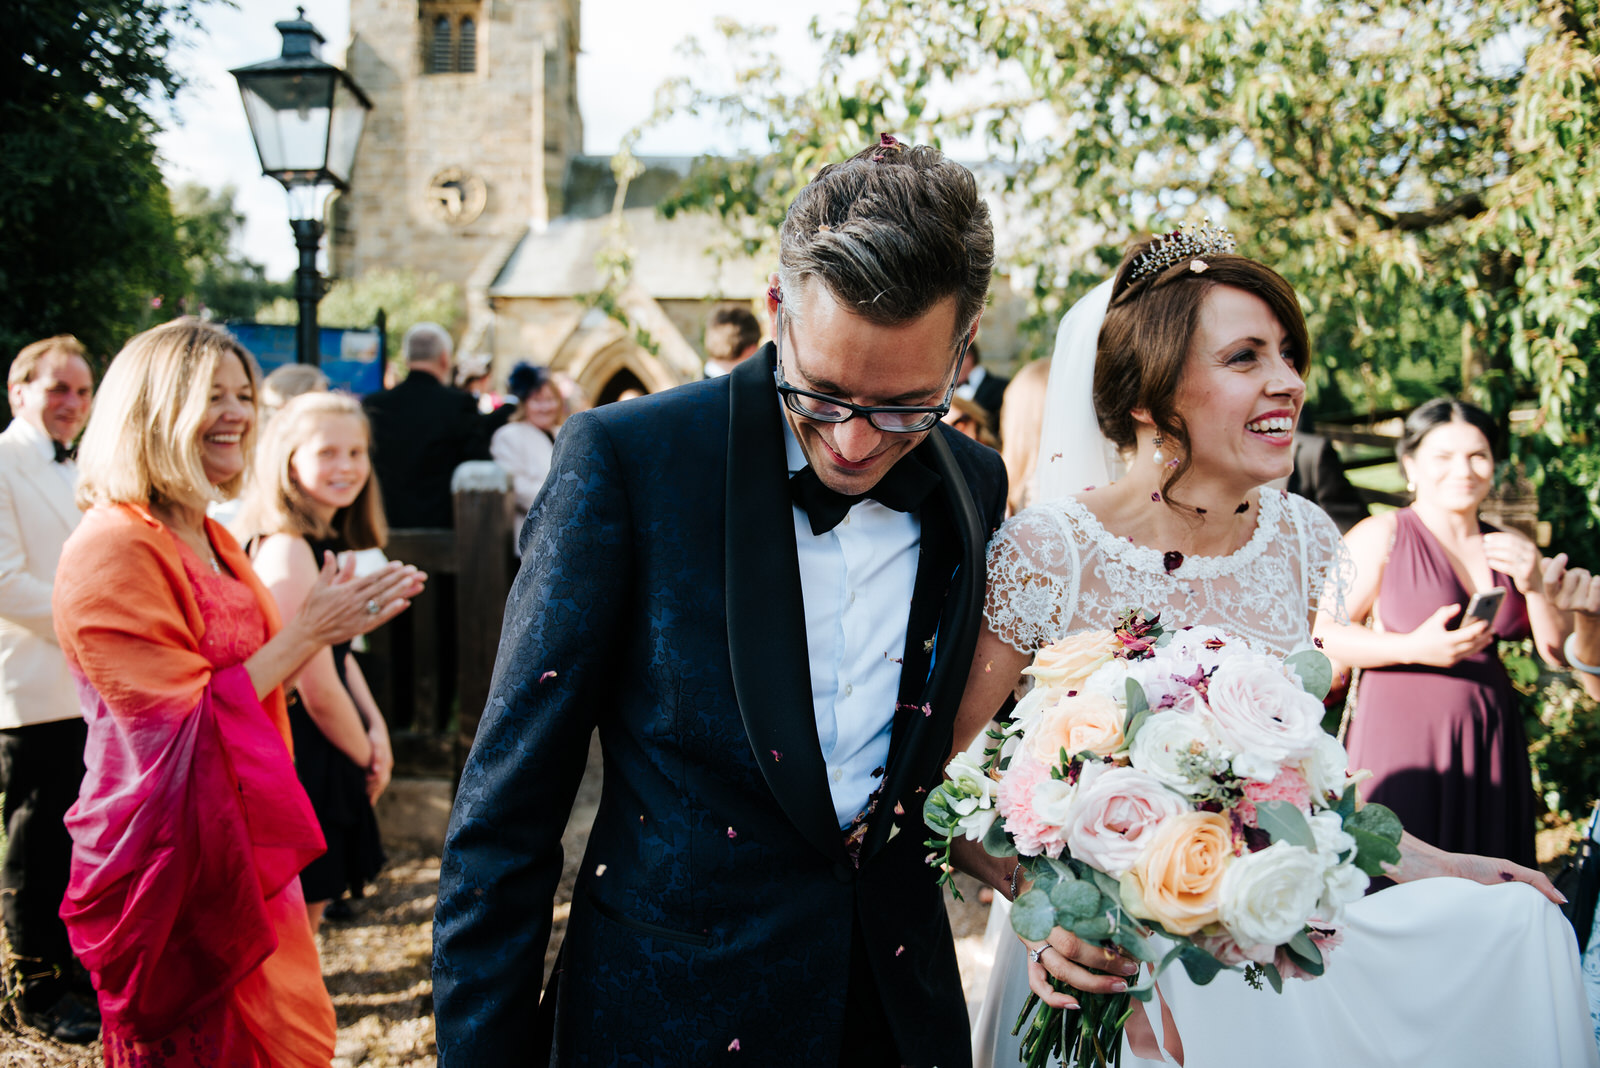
[(1269, 513)]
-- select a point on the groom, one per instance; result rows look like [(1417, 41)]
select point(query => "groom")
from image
[(774, 683)]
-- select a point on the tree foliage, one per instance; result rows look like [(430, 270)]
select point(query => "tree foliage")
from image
[(1424, 174), (221, 283), (87, 235)]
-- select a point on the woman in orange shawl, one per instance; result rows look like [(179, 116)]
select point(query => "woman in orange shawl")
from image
[(191, 828)]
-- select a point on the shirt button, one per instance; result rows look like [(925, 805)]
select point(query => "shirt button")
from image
[(845, 521), (852, 596), (849, 689), (838, 775)]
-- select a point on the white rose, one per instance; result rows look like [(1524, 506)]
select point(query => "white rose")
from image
[(1325, 769), (1332, 839), (1052, 801), (1342, 884), (1181, 750), (976, 803), (1268, 896), (1114, 811), (1263, 715)]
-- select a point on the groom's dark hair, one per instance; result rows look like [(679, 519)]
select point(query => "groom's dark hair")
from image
[(891, 232)]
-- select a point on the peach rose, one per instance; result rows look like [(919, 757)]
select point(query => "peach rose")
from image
[(1178, 877), (1068, 662), (1084, 722)]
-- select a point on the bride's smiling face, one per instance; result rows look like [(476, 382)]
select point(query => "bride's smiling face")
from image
[(1240, 394)]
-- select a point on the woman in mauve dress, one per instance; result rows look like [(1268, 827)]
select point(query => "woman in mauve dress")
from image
[(1436, 719)]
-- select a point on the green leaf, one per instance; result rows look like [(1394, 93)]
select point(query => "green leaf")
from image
[(1373, 851), (1305, 953), (1201, 966), (1135, 723), (1315, 671), (1136, 700), (1376, 819), (996, 842), (1108, 886), (1095, 928), (1032, 916), (1076, 900), (1285, 823)]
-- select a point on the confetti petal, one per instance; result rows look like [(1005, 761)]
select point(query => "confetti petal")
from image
[(900, 950), (733, 1047), (776, 756), (732, 833), (599, 871), (547, 676)]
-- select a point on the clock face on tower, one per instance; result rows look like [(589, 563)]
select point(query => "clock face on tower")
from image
[(456, 197)]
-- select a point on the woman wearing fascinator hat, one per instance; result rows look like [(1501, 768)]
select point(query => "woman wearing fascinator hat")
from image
[(1174, 393)]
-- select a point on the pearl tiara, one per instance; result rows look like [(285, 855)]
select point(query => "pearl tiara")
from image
[(1184, 243)]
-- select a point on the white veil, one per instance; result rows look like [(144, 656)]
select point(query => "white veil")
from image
[(1073, 454)]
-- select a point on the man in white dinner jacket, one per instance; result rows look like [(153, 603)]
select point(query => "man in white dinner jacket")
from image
[(50, 387)]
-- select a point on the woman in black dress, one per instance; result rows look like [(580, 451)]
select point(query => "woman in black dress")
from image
[(312, 493)]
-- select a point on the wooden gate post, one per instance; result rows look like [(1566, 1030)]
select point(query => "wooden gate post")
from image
[(483, 512)]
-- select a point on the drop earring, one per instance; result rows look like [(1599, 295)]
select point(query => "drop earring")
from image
[(1411, 487), (1158, 458)]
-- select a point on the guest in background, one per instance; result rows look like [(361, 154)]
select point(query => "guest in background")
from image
[(968, 417), (421, 430), (312, 493), (1021, 421), (191, 829), (286, 383), (41, 727), (977, 384), (526, 443), (1436, 719), (732, 336), (1577, 590), (1319, 477)]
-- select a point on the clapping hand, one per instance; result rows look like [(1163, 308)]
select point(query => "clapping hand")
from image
[(1570, 589), (1434, 644), (341, 605)]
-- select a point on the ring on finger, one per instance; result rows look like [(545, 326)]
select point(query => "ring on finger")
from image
[(1035, 954), (373, 608)]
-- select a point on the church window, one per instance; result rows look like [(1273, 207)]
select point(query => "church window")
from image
[(467, 49), (441, 57), (450, 43)]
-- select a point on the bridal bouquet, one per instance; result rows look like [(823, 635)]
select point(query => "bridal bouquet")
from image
[(1176, 783)]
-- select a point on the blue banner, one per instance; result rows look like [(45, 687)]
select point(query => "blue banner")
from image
[(352, 359)]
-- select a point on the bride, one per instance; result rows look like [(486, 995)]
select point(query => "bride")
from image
[(1196, 375)]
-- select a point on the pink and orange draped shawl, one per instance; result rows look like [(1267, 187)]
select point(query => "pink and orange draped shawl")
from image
[(191, 824)]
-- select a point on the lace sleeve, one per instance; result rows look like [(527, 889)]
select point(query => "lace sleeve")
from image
[(1329, 570), (1033, 580)]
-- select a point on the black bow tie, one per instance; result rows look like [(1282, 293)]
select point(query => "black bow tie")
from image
[(64, 452), (904, 487)]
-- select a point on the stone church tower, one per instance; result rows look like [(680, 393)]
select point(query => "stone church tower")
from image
[(475, 116)]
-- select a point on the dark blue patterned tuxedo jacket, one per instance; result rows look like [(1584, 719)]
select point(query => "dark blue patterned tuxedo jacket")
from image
[(659, 602)]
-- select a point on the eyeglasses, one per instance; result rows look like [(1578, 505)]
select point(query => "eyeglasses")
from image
[(889, 419)]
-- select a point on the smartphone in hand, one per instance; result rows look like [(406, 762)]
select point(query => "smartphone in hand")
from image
[(1483, 605)]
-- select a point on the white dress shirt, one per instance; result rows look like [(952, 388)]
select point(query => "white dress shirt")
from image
[(856, 581), (525, 452)]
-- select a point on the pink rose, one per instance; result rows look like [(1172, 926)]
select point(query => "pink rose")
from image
[(1262, 715), (1289, 786), (1113, 814)]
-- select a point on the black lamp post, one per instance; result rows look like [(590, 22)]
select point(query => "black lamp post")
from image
[(306, 117)]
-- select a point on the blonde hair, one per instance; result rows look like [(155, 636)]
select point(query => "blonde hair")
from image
[(142, 445), (1021, 423), (287, 383), (276, 503)]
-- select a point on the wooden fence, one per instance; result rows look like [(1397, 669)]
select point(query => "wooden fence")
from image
[(429, 669)]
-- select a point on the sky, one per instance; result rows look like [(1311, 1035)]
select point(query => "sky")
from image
[(207, 139)]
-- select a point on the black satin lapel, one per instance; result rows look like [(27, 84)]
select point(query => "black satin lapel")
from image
[(946, 604), (766, 613)]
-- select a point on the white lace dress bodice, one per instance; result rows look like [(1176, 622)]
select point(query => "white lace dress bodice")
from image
[(1054, 570), (1432, 972)]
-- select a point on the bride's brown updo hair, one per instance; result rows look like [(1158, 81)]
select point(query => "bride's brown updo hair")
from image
[(1144, 342)]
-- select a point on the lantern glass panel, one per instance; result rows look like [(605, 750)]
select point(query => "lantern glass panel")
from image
[(290, 115)]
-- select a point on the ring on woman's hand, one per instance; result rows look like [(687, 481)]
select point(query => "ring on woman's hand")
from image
[(373, 608), (1035, 954)]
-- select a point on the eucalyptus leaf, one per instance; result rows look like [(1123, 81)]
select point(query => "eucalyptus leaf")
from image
[(1316, 673), (1284, 822), (1076, 900), (1201, 966), (1096, 928), (1305, 953), (1377, 819), (1373, 851), (996, 842), (1108, 886), (1032, 916), (1273, 977), (1347, 803), (1135, 723), (1131, 939), (1137, 702)]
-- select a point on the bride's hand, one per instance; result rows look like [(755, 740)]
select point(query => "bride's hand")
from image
[(1082, 965), (1419, 860)]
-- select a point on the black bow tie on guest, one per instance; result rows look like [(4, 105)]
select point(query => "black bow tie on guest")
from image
[(904, 487), (64, 452)]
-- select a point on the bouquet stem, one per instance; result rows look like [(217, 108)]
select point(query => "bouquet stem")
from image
[(1087, 1037)]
